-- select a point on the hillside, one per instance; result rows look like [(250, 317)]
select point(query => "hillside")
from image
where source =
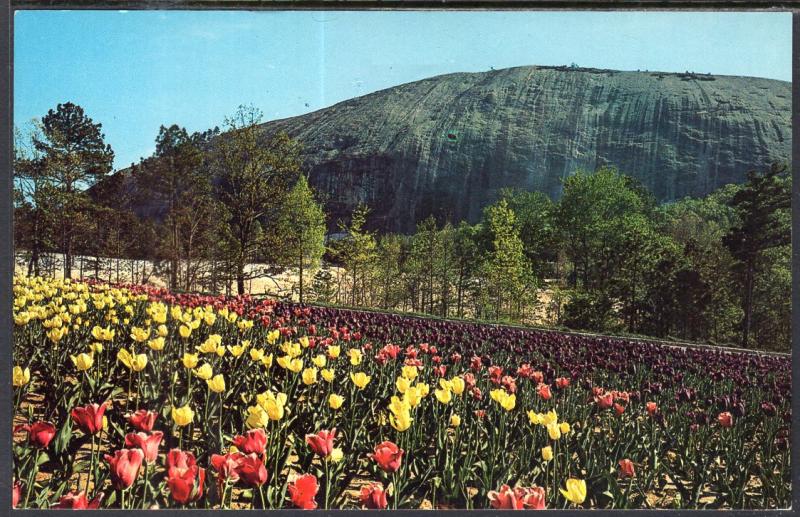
[(448, 144)]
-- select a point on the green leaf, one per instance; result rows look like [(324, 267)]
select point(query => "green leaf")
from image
[(63, 438)]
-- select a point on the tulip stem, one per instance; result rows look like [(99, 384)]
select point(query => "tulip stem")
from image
[(327, 480), (31, 480)]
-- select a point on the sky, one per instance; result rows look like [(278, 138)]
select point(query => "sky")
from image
[(134, 71)]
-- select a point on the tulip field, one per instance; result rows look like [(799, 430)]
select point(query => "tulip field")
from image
[(129, 396)]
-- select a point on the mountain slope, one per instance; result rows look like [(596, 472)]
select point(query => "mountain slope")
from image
[(448, 144)]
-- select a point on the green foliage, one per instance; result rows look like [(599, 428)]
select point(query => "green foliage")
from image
[(300, 232), (254, 173)]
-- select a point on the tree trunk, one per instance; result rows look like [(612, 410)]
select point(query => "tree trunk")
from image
[(301, 277), (68, 258), (748, 302), (240, 277)]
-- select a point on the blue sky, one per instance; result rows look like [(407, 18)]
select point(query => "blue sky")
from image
[(133, 71)]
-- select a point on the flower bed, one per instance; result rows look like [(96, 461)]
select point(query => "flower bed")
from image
[(159, 400)]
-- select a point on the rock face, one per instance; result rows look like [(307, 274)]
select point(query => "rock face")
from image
[(448, 144)]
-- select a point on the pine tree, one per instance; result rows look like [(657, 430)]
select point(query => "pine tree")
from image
[(763, 206), (74, 157)]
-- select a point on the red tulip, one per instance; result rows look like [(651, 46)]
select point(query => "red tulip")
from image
[(322, 442), (525, 371), (476, 393), (303, 491), (227, 465), (180, 459), (78, 501), (619, 408), (652, 408), (725, 419), (475, 363), (562, 382), (185, 483), (143, 420), (626, 468), (124, 466), (148, 443), (89, 419), (495, 373), (373, 496), (537, 377), (480, 413), (254, 441), (40, 434), (544, 391), (388, 456), (441, 370), (509, 383), (605, 401), (531, 498), (16, 494), (469, 380), (252, 470)]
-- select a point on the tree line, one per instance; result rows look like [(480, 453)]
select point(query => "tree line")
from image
[(218, 208)]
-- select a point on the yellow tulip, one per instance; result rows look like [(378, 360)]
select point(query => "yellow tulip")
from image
[(554, 431), (457, 385), (443, 396), (272, 336), (335, 401), (190, 360), (334, 351), (398, 405), (96, 348), (216, 383), (82, 361), (360, 379), (185, 331), (336, 455), (355, 356), (401, 421), (156, 344), (256, 354), (162, 331), (575, 491), (139, 334), (564, 427), (204, 372), (402, 384), (551, 417), (236, 350), (267, 360), (319, 361), (409, 372), (182, 416), (304, 342), (455, 420), (534, 417), (21, 377), (309, 376), (327, 374), (256, 417), (133, 362), (413, 396), (547, 453), (423, 389)]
